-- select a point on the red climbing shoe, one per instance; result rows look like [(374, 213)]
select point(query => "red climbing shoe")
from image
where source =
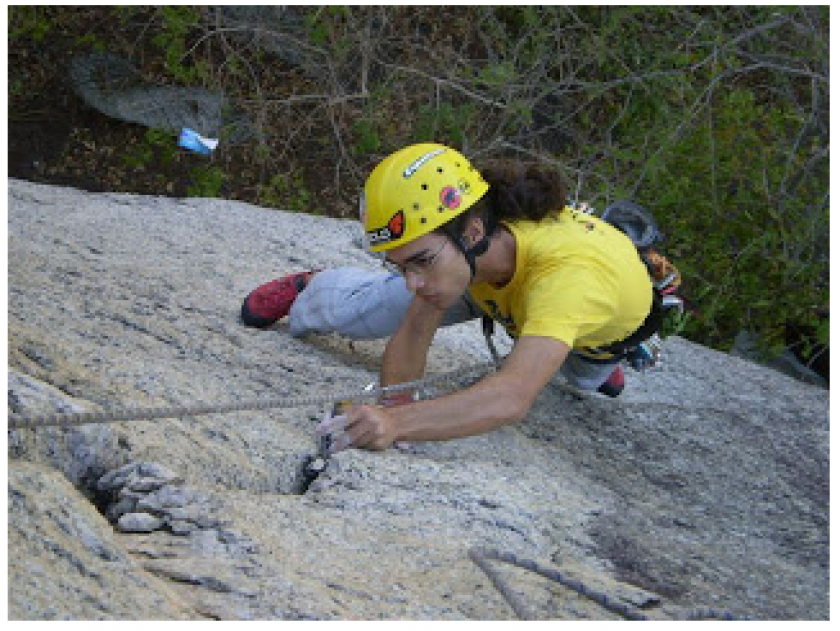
[(613, 386), (272, 301)]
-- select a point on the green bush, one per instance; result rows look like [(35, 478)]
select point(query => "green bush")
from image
[(750, 262), (207, 181), (288, 192), (447, 123), (177, 23), (30, 21), (156, 147), (736, 173)]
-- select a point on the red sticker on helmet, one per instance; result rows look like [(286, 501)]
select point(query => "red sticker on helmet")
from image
[(392, 231), (396, 225), (450, 197)]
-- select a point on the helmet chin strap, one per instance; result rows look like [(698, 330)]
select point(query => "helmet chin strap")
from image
[(472, 252)]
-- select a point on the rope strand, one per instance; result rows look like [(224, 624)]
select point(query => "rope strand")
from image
[(480, 556), (17, 421)]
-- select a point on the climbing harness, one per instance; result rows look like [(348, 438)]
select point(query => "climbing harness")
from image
[(481, 556), (421, 386), (642, 349), (646, 354)]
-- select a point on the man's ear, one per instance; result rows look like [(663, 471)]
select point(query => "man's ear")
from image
[(474, 232)]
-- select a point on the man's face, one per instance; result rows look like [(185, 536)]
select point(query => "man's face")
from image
[(433, 268)]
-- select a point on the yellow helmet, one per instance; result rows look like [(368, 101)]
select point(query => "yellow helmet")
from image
[(416, 190)]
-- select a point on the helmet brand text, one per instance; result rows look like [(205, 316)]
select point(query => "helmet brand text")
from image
[(412, 168), (391, 232)]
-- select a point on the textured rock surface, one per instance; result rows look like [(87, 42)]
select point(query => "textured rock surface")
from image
[(705, 485), (66, 562)]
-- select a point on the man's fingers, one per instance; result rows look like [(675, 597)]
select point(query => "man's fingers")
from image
[(360, 427), (355, 435), (331, 425), (339, 442)]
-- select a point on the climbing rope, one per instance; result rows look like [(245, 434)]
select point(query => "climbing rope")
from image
[(481, 556), (422, 386), (17, 421)]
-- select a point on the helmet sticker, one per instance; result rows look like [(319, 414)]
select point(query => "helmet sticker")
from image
[(412, 168), (464, 186), (450, 197), (391, 232), (396, 225)]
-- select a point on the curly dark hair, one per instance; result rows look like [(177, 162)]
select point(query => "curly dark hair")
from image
[(518, 190), (522, 190)]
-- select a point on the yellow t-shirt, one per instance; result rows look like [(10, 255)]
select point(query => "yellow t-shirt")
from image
[(577, 279)]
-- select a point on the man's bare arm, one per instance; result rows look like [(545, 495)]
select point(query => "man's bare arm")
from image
[(501, 398), (405, 355)]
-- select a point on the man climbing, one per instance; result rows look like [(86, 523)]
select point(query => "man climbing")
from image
[(566, 286)]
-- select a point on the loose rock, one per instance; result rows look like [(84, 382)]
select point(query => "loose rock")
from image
[(139, 522)]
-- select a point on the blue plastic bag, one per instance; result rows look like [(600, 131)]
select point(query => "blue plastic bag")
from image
[(196, 142)]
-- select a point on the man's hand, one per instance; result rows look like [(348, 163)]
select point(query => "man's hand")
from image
[(364, 426)]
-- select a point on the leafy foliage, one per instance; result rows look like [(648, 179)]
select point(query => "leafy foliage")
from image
[(207, 181), (177, 22), (291, 189), (30, 21)]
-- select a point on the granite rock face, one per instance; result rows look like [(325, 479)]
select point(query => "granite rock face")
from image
[(705, 485), (66, 562)]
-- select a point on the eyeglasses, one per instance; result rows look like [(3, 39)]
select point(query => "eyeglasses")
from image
[(419, 264)]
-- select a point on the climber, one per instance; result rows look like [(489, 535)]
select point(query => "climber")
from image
[(460, 243)]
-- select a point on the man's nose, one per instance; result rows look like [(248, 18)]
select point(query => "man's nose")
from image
[(413, 280)]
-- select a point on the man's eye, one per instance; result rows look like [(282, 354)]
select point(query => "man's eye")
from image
[(424, 262)]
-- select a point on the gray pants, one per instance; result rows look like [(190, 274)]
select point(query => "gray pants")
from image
[(363, 305)]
